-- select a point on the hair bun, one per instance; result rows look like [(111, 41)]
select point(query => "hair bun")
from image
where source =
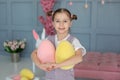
[(49, 13), (74, 17)]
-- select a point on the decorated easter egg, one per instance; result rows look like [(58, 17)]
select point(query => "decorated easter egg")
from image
[(46, 51), (27, 73), (64, 51)]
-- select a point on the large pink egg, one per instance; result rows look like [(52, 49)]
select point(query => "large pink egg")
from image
[(46, 52)]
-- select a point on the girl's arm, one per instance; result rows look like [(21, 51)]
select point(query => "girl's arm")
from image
[(43, 66), (35, 58), (73, 60)]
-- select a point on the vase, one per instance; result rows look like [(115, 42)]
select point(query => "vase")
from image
[(15, 57)]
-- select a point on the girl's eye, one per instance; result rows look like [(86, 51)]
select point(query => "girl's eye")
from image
[(57, 21), (65, 21)]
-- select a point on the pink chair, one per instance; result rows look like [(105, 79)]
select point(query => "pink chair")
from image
[(96, 65)]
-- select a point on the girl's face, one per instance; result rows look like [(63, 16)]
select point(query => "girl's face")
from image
[(62, 23)]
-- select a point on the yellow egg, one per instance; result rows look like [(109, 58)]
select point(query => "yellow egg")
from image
[(24, 78), (64, 51), (27, 73)]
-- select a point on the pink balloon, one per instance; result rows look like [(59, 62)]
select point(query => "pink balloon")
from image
[(46, 52)]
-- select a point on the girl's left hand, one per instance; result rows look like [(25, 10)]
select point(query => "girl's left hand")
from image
[(50, 66)]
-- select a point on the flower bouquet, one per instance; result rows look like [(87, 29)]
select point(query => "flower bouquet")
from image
[(14, 46)]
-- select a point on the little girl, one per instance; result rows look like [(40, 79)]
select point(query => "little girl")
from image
[(62, 21)]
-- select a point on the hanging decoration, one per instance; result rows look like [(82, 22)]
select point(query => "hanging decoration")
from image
[(70, 3), (47, 5), (86, 4), (102, 2)]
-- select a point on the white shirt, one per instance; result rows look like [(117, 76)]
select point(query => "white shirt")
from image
[(76, 43)]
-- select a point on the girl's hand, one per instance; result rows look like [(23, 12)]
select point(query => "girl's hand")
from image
[(55, 66), (46, 66), (43, 66)]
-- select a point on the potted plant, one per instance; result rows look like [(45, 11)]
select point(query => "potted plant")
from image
[(14, 47)]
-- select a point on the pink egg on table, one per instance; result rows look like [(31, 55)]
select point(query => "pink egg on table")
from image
[(46, 51), (16, 77)]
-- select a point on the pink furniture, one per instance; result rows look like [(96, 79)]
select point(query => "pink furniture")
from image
[(96, 65)]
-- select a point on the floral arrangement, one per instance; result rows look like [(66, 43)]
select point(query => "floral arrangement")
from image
[(47, 5), (14, 46)]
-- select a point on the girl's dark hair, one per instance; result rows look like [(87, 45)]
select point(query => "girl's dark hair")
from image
[(60, 10)]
